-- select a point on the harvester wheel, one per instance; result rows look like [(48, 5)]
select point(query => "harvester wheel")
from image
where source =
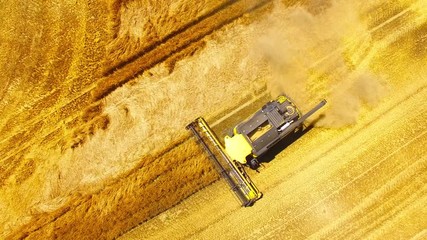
[(253, 163)]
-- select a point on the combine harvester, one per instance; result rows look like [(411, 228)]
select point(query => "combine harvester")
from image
[(249, 140)]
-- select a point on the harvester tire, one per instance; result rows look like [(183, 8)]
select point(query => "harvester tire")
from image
[(253, 163)]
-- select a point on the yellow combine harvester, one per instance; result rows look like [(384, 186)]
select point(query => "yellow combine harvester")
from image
[(249, 140)]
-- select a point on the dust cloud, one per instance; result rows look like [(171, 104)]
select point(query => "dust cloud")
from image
[(314, 52)]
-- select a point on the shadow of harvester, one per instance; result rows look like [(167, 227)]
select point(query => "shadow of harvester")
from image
[(287, 141)]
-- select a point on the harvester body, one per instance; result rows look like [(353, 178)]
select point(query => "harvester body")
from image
[(249, 139)]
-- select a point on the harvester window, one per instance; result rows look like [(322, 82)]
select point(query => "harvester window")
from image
[(259, 131)]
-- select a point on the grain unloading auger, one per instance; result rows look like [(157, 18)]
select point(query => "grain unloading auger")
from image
[(249, 140)]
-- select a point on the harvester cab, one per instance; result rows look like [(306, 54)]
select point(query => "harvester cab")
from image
[(250, 139)]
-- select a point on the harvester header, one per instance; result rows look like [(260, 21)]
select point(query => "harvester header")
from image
[(234, 175)]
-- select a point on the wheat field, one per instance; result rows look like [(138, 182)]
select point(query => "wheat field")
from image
[(95, 96)]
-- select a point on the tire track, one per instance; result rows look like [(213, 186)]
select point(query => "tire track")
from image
[(401, 27), (407, 213), (398, 104), (152, 56), (406, 174), (110, 70), (398, 184), (173, 45), (25, 125), (218, 221), (414, 140), (136, 181)]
